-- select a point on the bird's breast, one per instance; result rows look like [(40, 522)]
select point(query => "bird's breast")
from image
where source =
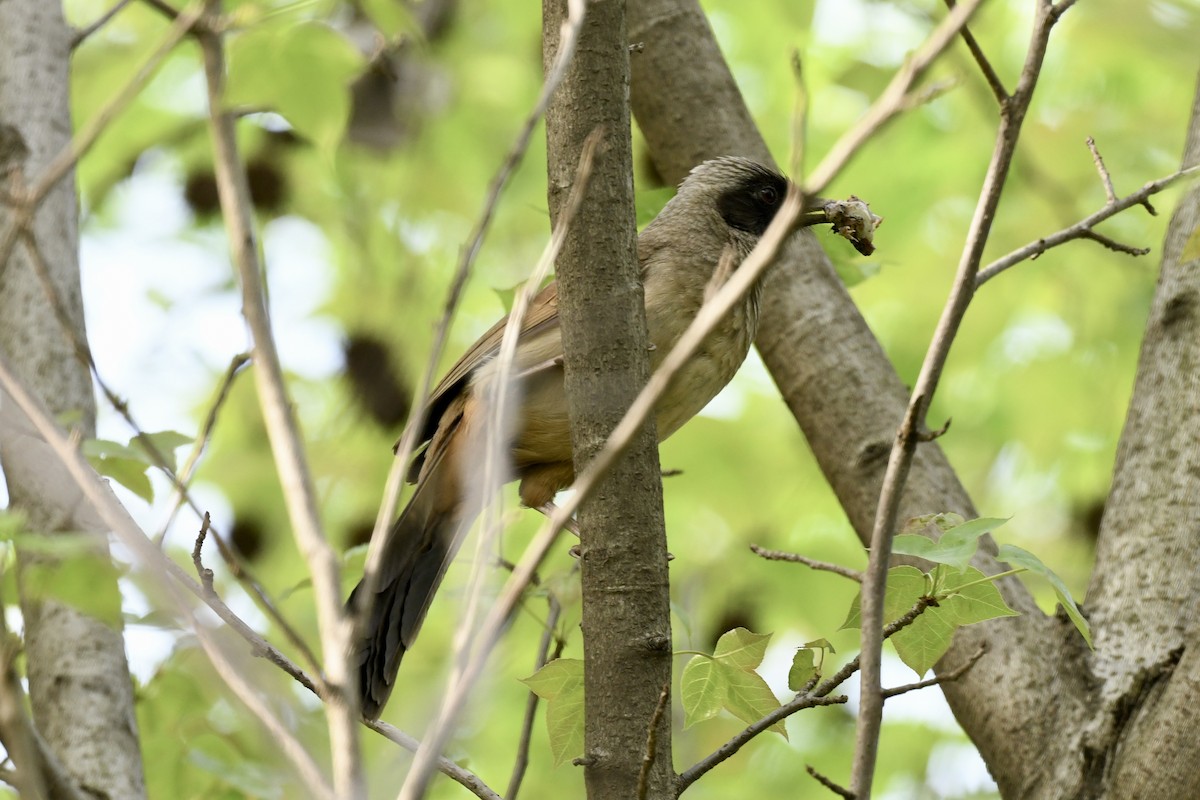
[(711, 367)]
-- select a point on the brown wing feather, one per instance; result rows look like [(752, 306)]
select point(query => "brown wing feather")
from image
[(541, 315)]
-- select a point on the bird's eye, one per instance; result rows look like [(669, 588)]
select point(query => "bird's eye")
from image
[(768, 195)]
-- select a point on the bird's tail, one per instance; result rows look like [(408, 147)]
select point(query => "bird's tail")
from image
[(419, 548)]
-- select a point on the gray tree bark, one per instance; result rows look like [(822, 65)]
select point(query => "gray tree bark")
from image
[(626, 605), (1030, 704), (79, 684), (1141, 739)]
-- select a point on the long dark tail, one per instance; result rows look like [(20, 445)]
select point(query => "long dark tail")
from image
[(420, 547)]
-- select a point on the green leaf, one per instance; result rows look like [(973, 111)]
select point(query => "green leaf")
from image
[(94, 449), (560, 684), (963, 599), (956, 546), (905, 586), (803, 669), (1017, 556), (165, 442), (85, 579), (741, 649), (748, 697), (805, 664), (702, 689), (130, 473), (923, 642), (556, 678), (970, 597), (564, 724)]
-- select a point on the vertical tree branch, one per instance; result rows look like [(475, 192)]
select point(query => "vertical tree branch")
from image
[(79, 685), (900, 461), (1148, 546), (845, 394), (623, 551), (282, 428)]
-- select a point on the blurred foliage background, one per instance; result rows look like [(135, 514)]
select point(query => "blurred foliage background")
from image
[(372, 131)]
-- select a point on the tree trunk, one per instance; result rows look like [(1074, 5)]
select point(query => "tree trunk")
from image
[(1141, 738), (848, 400), (626, 605), (79, 685)]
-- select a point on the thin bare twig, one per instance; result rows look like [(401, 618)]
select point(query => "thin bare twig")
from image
[(83, 33), (469, 780), (799, 119), (893, 100), (985, 66), (643, 784), (740, 739), (944, 677), (1080, 229), (904, 447), (180, 489), (182, 496), (171, 576), (840, 791), (781, 555), (341, 708), (521, 761), (166, 9), (1106, 179), (808, 698), (500, 392), (204, 573), (1113, 244), (115, 518), (86, 136), (159, 459)]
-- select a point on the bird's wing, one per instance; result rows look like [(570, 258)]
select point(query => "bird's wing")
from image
[(541, 316)]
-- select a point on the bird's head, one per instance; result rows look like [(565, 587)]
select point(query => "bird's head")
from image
[(724, 201)]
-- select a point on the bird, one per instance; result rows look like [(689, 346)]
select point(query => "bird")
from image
[(716, 217)]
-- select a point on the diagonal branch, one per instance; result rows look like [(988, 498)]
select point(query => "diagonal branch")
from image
[(937, 680), (904, 445), (341, 707), (1082, 229), (28, 202), (82, 34), (115, 518), (895, 98), (810, 698), (170, 577), (812, 563), (178, 481), (985, 66)]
